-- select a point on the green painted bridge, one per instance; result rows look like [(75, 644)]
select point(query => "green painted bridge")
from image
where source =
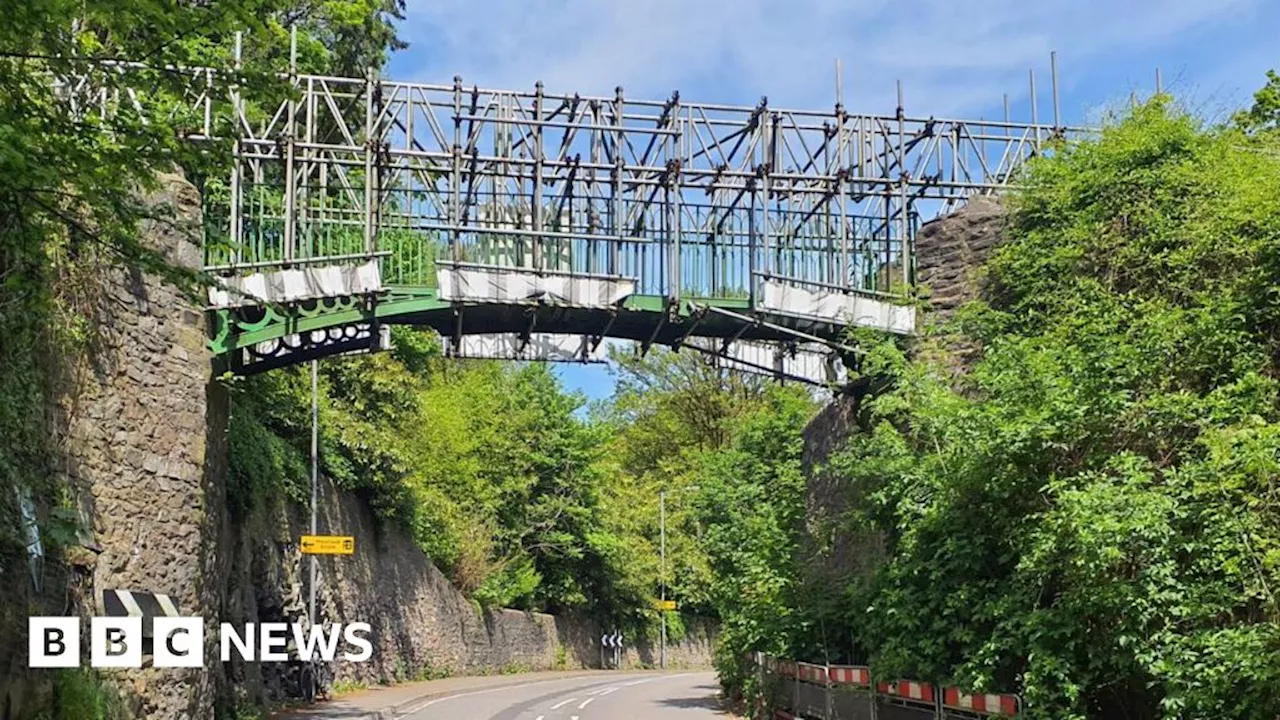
[(532, 224)]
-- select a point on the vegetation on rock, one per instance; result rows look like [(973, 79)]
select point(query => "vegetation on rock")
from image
[(1090, 516)]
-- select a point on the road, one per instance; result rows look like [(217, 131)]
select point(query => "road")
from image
[(629, 696)]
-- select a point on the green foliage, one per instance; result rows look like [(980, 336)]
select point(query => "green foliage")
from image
[(80, 694), (73, 186), (1264, 114), (1090, 516), (726, 449), (487, 465)]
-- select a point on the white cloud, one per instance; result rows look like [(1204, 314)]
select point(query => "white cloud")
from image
[(953, 57)]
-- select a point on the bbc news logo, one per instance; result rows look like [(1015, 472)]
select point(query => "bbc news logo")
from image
[(178, 642)]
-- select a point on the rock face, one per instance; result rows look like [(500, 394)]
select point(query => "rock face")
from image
[(131, 442), (140, 441), (951, 250), (950, 253)]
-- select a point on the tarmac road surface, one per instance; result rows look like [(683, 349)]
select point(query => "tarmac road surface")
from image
[(618, 696)]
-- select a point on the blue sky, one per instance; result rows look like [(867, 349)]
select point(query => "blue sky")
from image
[(954, 58)]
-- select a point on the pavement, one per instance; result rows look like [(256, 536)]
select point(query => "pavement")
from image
[(598, 695)]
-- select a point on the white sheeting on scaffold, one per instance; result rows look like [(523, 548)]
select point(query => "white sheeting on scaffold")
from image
[(541, 346), (811, 361), (493, 284), (298, 284), (850, 309)]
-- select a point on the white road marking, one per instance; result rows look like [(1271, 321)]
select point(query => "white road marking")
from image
[(606, 691), (500, 688), (539, 717), (562, 703), (636, 682), (585, 703)]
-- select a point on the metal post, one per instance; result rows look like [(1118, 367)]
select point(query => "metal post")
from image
[(1159, 84), (290, 172), (372, 192), (615, 252), (904, 249), (536, 202), (662, 577), (1035, 120), (674, 202), (772, 149), (1053, 72), (315, 474), (236, 169), (455, 181), (842, 267), (826, 677)]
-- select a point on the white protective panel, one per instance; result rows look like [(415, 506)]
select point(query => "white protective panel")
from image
[(811, 361), (847, 309), (541, 346), (300, 284), (492, 284)]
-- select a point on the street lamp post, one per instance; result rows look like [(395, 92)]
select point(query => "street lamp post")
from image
[(662, 578), (662, 575)]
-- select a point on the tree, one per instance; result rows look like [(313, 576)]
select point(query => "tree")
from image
[(1089, 516), (1264, 114)]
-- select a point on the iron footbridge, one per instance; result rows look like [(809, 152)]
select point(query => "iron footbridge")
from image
[(527, 224)]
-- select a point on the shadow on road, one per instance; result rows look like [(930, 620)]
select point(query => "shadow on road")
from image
[(707, 698)]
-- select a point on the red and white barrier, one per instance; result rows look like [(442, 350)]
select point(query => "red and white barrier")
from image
[(816, 674), (907, 690), (987, 704), (850, 675)]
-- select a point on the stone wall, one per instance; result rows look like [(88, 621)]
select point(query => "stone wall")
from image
[(950, 253), (130, 438), (139, 435), (420, 621)]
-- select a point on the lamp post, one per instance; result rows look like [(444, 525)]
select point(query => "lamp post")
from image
[(662, 579), (662, 575)]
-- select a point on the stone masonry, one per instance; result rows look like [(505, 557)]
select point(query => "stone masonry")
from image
[(950, 253), (131, 437)]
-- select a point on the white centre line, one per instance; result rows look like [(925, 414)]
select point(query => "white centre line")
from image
[(562, 703), (585, 703), (606, 691)]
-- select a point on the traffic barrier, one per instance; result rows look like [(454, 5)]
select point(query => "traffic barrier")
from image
[(816, 674), (907, 690), (850, 675), (983, 703), (803, 691)]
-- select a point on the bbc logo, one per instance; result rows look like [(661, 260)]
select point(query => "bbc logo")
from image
[(115, 642)]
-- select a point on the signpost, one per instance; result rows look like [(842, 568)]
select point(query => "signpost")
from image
[(667, 605), (614, 641), (328, 545)]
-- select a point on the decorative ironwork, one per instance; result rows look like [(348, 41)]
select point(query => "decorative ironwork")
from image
[(691, 201)]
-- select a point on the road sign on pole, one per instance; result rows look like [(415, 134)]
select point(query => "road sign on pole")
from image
[(328, 545), (667, 605)]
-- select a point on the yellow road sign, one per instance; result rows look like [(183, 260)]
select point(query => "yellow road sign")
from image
[(328, 545), (666, 604)]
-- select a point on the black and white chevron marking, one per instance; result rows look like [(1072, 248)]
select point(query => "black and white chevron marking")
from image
[(138, 603)]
